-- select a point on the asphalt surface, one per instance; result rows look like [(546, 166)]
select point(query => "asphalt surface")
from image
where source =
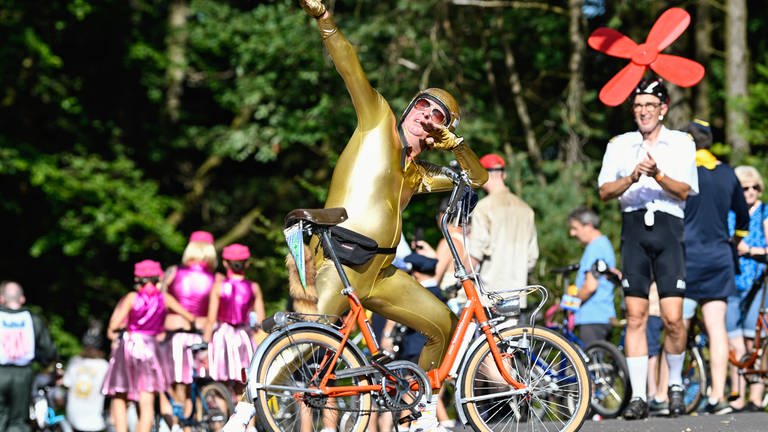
[(741, 422)]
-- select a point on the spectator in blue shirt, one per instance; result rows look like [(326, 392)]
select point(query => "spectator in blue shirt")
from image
[(593, 318)]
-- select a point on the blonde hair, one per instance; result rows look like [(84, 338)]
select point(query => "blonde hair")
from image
[(747, 174), (200, 252)]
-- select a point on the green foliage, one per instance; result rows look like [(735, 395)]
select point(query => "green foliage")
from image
[(114, 205), (98, 171), (67, 344), (758, 106)]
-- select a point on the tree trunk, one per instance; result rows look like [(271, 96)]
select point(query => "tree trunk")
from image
[(176, 50), (534, 153), (703, 36), (736, 60), (573, 143)]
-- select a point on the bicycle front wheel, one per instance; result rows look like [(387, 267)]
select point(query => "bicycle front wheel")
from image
[(610, 379), (291, 367), (557, 390)]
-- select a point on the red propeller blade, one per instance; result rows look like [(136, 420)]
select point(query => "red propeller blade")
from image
[(670, 25), (611, 42), (678, 70), (615, 91)]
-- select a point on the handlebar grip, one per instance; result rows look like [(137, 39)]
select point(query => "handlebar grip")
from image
[(566, 269), (449, 173)]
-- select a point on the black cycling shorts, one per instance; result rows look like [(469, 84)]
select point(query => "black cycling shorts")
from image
[(652, 253)]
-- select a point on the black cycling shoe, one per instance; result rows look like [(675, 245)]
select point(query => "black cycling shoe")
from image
[(636, 410), (676, 396)]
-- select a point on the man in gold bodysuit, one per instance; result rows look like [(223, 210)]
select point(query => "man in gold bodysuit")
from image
[(376, 175), (375, 178)]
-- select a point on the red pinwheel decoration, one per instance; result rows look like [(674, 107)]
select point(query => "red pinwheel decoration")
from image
[(665, 30)]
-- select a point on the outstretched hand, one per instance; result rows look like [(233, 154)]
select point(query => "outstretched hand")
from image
[(440, 137), (313, 8)]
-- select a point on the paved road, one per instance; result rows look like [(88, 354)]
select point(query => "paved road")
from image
[(741, 422)]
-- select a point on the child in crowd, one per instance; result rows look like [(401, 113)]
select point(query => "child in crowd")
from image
[(134, 371), (83, 379), (235, 307)]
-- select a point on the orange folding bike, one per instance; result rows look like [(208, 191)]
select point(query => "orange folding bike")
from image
[(309, 375)]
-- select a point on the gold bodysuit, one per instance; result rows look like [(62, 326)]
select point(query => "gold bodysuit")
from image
[(373, 184)]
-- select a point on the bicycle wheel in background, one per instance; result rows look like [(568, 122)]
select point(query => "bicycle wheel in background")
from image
[(299, 359), (551, 368), (695, 380), (214, 407), (609, 375)]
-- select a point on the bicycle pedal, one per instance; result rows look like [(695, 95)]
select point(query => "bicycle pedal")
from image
[(413, 416)]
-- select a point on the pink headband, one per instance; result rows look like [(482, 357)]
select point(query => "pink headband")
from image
[(147, 268), (236, 252), (201, 237)]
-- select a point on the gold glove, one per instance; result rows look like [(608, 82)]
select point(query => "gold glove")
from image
[(444, 139), (314, 8)]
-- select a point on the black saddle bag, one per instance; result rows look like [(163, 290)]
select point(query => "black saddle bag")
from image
[(353, 248)]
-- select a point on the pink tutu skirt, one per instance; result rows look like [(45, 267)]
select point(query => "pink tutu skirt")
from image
[(134, 367), (230, 351), (177, 360)]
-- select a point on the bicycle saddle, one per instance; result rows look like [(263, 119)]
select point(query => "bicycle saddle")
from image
[(324, 217)]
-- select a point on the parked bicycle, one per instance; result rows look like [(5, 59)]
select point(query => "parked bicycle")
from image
[(307, 374), (212, 402), (48, 400), (607, 366), (753, 365)]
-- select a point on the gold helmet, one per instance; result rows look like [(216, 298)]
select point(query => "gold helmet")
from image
[(445, 101)]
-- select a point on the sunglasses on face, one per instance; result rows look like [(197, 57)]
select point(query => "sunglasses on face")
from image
[(756, 188), (649, 106), (436, 114)]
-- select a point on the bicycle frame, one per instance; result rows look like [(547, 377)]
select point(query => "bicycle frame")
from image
[(473, 310)]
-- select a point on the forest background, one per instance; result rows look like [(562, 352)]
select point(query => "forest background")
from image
[(126, 125)]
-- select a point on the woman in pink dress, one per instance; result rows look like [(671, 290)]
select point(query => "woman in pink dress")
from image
[(134, 371), (236, 307), (190, 283)]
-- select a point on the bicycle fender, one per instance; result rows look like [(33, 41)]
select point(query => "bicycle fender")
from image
[(251, 392)]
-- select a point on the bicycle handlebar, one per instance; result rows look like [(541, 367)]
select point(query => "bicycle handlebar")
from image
[(565, 269)]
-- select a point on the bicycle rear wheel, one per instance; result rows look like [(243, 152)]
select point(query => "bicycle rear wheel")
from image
[(299, 359), (557, 396), (610, 379), (694, 378)]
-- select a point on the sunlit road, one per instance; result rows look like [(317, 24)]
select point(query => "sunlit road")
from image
[(741, 422)]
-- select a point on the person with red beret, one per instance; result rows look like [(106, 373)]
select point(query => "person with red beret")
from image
[(503, 241)]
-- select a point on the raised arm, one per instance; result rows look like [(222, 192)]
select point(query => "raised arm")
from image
[(365, 99)]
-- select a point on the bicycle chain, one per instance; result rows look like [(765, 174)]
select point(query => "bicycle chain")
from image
[(313, 402)]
